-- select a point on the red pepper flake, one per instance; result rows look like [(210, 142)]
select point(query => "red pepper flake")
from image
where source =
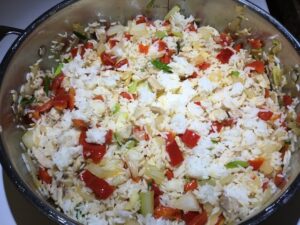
[(224, 55)]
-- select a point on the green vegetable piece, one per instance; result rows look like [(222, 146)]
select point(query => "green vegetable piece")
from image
[(174, 10), (132, 88), (80, 35), (147, 202), (235, 73), (161, 34), (277, 75), (178, 34), (276, 48), (47, 83), (237, 163), (118, 138), (150, 4), (27, 101), (58, 69), (116, 108), (131, 143), (161, 66), (215, 140)]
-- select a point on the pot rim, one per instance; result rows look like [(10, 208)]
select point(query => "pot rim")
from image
[(61, 218)]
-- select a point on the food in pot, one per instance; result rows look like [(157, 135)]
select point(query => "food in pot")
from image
[(159, 122)]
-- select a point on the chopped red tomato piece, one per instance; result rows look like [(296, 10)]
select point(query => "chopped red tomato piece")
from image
[(192, 27), (112, 42), (140, 133), (74, 52), (166, 23), (91, 151), (56, 83), (256, 163), (265, 185), (194, 75), (107, 59), (225, 123), (176, 156), (255, 43), (267, 93), (198, 103), (126, 95), (141, 19), (166, 59), (127, 36), (238, 47), (89, 45), (257, 66), (167, 213), (265, 115), (61, 100), (109, 137), (190, 138), (121, 63), (99, 97), (170, 137), (224, 55), (203, 66), (162, 45), (190, 186), (44, 176), (287, 100), (100, 187), (195, 218), (279, 180), (157, 193), (169, 174), (143, 49), (224, 39), (71, 98), (80, 124)]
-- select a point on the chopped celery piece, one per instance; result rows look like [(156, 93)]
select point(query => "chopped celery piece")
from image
[(161, 34), (132, 88), (174, 10), (118, 138), (58, 69), (131, 143), (277, 75), (235, 73), (147, 202), (237, 163), (276, 48), (116, 108)]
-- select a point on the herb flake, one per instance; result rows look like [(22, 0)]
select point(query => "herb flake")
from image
[(161, 66)]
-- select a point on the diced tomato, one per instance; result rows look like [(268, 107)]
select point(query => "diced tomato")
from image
[(256, 163), (169, 174), (224, 39), (190, 138), (127, 36), (265, 185), (198, 103), (267, 93), (109, 137), (166, 59), (99, 186), (45, 107), (109, 37), (89, 45), (257, 66), (107, 59), (80, 124), (194, 75), (99, 97), (224, 55), (140, 133), (91, 151), (279, 180), (126, 95), (141, 19), (61, 100), (238, 47), (170, 137), (190, 186), (287, 100), (112, 43), (203, 66), (283, 150), (195, 218), (143, 49), (221, 220), (162, 45), (167, 213), (225, 123), (255, 43), (44, 176), (166, 23), (71, 98), (265, 115), (176, 156), (192, 27), (157, 193), (121, 63), (56, 83), (74, 52)]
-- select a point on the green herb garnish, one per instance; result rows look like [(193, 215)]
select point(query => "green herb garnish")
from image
[(161, 34), (215, 140), (161, 66), (58, 69), (27, 101), (116, 108), (47, 83), (235, 73), (80, 35), (237, 163)]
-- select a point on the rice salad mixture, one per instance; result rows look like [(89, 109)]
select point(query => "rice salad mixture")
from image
[(158, 122)]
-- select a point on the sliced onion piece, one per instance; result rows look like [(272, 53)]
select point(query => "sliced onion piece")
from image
[(186, 202)]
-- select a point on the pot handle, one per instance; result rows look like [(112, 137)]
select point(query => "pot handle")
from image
[(5, 30)]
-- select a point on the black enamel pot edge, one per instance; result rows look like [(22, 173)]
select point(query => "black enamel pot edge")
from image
[(63, 219)]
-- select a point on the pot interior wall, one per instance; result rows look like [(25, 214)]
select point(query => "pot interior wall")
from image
[(215, 13)]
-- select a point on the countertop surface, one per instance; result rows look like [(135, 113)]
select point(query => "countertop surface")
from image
[(14, 208)]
